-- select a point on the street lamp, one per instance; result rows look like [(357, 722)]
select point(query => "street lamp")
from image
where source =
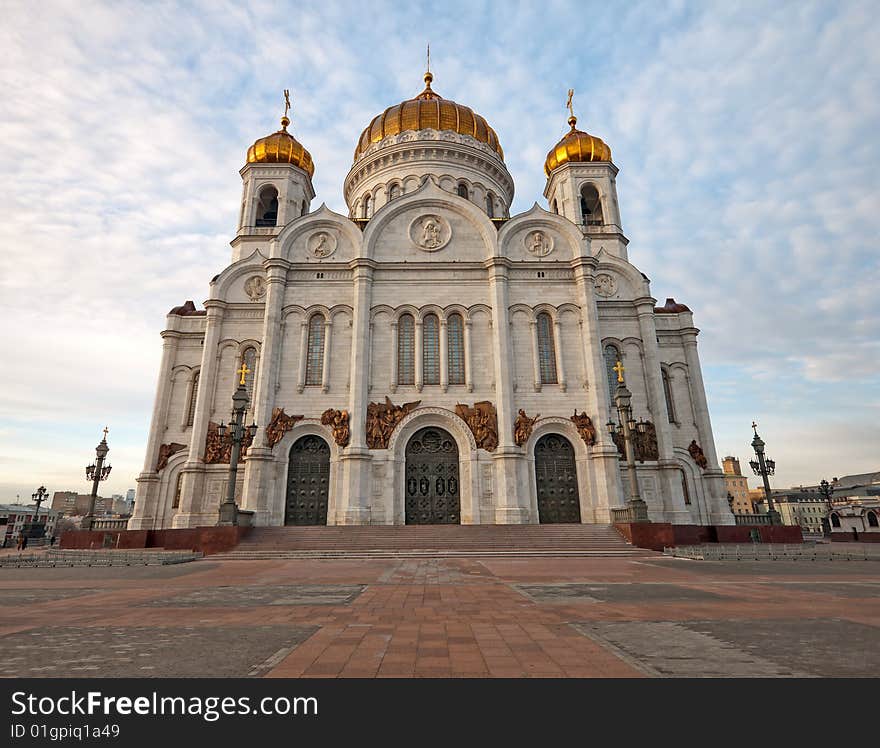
[(228, 509), (37, 528), (827, 491), (628, 427), (96, 472), (764, 467)]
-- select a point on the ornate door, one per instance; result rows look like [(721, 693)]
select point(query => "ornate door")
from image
[(308, 482), (431, 488), (556, 480)]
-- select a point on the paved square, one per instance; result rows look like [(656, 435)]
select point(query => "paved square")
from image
[(646, 616)]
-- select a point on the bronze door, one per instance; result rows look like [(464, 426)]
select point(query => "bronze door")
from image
[(308, 482), (431, 485), (556, 480)]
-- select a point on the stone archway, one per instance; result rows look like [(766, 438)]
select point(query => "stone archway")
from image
[(432, 488), (308, 482), (556, 480)]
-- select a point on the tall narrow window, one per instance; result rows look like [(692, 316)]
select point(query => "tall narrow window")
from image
[(249, 359), (667, 390), (455, 334), (555, 208), (406, 363), (175, 504), (194, 393), (315, 352), (267, 206), (490, 205), (365, 213), (393, 192), (431, 349), (462, 190), (546, 349), (612, 356), (684, 488)]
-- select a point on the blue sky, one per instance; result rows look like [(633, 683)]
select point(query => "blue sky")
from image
[(746, 135)]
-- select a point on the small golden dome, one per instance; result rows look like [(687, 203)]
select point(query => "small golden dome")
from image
[(428, 111), (281, 148), (576, 147)]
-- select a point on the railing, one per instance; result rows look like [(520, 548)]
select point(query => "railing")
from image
[(110, 524), (771, 552), (752, 519), (630, 514)]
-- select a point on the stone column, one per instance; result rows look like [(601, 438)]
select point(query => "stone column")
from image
[(146, 507), (536, 354), (303, 355), (468, 371), (507, 456), (394, 348), (444, 357), (193, 511), (419, 360), (353, 507), (604, 459), (560, 365), (325, 368), (257, 466)]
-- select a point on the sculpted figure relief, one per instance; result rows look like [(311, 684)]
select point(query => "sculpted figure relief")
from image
[(219, 450), (644, 445), (255, 287), (337, 420), (696, 451), (382, 419), (584, 425), (430, 232), (522, 427), (482, 419), (280, 424), (539, 244), (165, 453)]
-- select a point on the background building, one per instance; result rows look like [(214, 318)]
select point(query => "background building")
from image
[(13, 517), (71, 503), (856, 519), (737, 486)]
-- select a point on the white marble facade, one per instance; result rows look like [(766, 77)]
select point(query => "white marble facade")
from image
[(421, 247)]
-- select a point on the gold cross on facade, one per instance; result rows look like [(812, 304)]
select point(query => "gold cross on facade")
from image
[(568, 103), (244, 371), (618, 367), (286, 101)]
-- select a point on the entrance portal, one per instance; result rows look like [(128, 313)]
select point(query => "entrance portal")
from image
[(556, 480), (308, 482), (431, 490)]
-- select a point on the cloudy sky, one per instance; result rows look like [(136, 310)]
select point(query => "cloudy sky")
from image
[(747, 136)]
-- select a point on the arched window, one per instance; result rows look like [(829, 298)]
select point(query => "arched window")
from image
[(835, 520), (872, 519), (546, 349), (684, 488), (431, 349), (455, 340), (555, 208), (175, 504), (591, 206), (490, 205), (267, 206), (315, 352), (249, 359), (463, 190), (365, 210), (393, 192), (406, 346), (612, 356), (305, 208), (667, 390), (194, 393)]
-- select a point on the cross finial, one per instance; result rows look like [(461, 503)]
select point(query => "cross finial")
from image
[(755, 427), (244, 371), (428, 64), (618, 367), (568, 103), (286, 101), (106, 431)]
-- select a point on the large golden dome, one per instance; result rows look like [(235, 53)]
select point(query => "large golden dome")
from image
[(428, 111), (281, 148), (576, 146)]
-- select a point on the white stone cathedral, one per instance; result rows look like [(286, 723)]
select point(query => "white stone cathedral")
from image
[(428, 358)]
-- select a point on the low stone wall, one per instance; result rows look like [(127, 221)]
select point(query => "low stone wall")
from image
[(207, 540), (847, 537), (659, 535)]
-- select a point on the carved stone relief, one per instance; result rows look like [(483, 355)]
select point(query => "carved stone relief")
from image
[(280, 424), (696, 451), (430, 232), (219, 450), (165, 453), (382, 419), (539, 243), (255, 287), (584, 424), (522, 427), (605, 285), (337, 420), (322, 244), (482, 420)]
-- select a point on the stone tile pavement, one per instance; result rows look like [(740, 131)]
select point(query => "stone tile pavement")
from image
[(539, 617)]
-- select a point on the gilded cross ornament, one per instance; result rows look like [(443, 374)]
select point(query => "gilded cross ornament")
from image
[(568, 104), (618, 367), (755, 427), (244, 371), (428, 68), (286, 101), (106, 431)]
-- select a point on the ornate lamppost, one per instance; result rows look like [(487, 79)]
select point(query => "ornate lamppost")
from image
[(764, 467), (37, 528), (96, 472), (229, 509), (827, 491), (627, 426)]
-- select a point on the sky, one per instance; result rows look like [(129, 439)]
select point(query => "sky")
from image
[(747, 137)]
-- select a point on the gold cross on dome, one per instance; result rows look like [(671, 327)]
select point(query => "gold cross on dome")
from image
[(244, 371), (106, 431), (755, 426), (568, 103), (428, 68), (286, 101), (618, 367)]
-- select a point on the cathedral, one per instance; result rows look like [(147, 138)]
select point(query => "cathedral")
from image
[(429, 358)]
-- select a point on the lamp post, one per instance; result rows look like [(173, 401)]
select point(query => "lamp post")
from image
[(228, 509), (764, 467), (96, 472), (827, 491), (627, 426), (37, 528)]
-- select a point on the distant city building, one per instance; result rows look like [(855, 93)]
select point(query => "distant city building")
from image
[(71, 503), (737, 486), (13, 517), (129, 495), (803, 505), (856, 519), (861, 484)]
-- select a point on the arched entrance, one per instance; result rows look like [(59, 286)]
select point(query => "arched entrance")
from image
[(432, 490), (308, 482), (556, 480)]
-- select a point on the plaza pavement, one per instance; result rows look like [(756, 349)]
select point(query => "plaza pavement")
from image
[(469, 617)]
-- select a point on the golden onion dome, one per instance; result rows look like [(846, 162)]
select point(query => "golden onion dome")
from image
[(428, 111), (281, 148), (576, 147)]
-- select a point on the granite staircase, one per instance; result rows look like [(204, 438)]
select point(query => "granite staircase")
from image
[(431, 541)]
